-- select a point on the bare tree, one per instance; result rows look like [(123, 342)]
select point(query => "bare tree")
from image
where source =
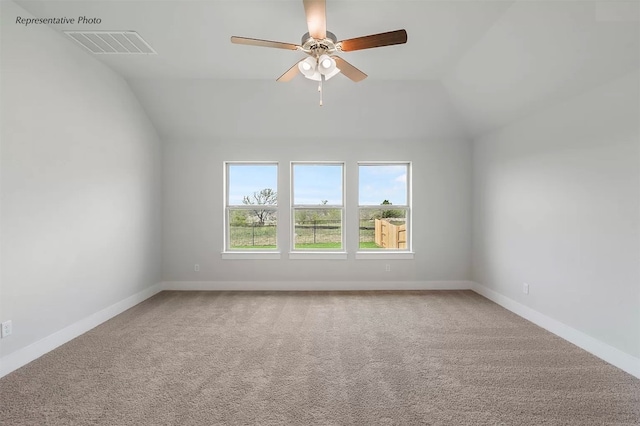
[(265, 197)]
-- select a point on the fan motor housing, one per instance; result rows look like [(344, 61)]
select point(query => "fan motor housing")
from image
[(317, 47)]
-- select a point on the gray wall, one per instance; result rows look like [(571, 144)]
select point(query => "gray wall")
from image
[(80, 180), (193, 208), (556, 204)]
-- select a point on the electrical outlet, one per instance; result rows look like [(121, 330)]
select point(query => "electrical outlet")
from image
[(525, 288), (196, 267), (6, 329), (387, 267)]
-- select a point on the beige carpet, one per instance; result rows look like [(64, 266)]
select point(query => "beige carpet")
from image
[(324, 358)]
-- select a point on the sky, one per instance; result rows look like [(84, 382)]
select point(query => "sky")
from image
[(377, 183), (315, 183), (247, 179)]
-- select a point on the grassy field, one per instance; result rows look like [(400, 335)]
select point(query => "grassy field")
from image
[(368, 245), (253, 237), (254, 247), (307, 238), (319, 246), (363, 245)]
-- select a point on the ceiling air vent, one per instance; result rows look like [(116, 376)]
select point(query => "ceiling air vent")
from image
[(112, 42)]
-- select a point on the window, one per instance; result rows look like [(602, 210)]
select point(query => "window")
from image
[(384, 206), (317, 225), (251, 204), (317, 206)]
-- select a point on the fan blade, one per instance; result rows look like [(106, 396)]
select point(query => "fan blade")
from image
[(374, 40), (263, 43), (289, 74), (316, 18), (349, 70)]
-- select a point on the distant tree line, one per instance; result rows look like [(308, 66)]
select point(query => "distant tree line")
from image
[(268, 197)]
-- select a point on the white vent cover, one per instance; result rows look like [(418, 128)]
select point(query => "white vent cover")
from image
[(112, 42)]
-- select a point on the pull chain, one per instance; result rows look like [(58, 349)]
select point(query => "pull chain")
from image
[(320, 87)]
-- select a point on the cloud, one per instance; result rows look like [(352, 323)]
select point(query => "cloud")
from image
[(402, 178), (383, 169)]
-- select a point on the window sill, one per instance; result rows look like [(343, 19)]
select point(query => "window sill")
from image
[(243, 255), (306, 255), (376, 255)]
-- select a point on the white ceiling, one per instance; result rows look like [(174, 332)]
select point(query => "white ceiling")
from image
[(542, 52), (231, 109), (192, 37), (496, 60)]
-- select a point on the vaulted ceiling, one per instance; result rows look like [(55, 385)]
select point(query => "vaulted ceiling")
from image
[(468, 66)]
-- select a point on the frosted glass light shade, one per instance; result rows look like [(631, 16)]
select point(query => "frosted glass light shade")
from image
[(308, 67), (326, 64)]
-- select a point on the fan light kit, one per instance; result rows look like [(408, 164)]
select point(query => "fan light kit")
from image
[(322, 46)]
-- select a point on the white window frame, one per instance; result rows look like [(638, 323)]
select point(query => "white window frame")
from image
[(340, 253), (228, 252), (385, 253)]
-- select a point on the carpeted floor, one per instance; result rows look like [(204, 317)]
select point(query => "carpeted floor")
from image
[(322, 358)]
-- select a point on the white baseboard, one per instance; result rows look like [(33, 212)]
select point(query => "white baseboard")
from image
[(315, 285), (606, 352), (23, 356)]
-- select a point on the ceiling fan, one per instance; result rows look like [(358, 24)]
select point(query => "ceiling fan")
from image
[(322, 47)]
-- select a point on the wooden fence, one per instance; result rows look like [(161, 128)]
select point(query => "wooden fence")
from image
[(388, 235)]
